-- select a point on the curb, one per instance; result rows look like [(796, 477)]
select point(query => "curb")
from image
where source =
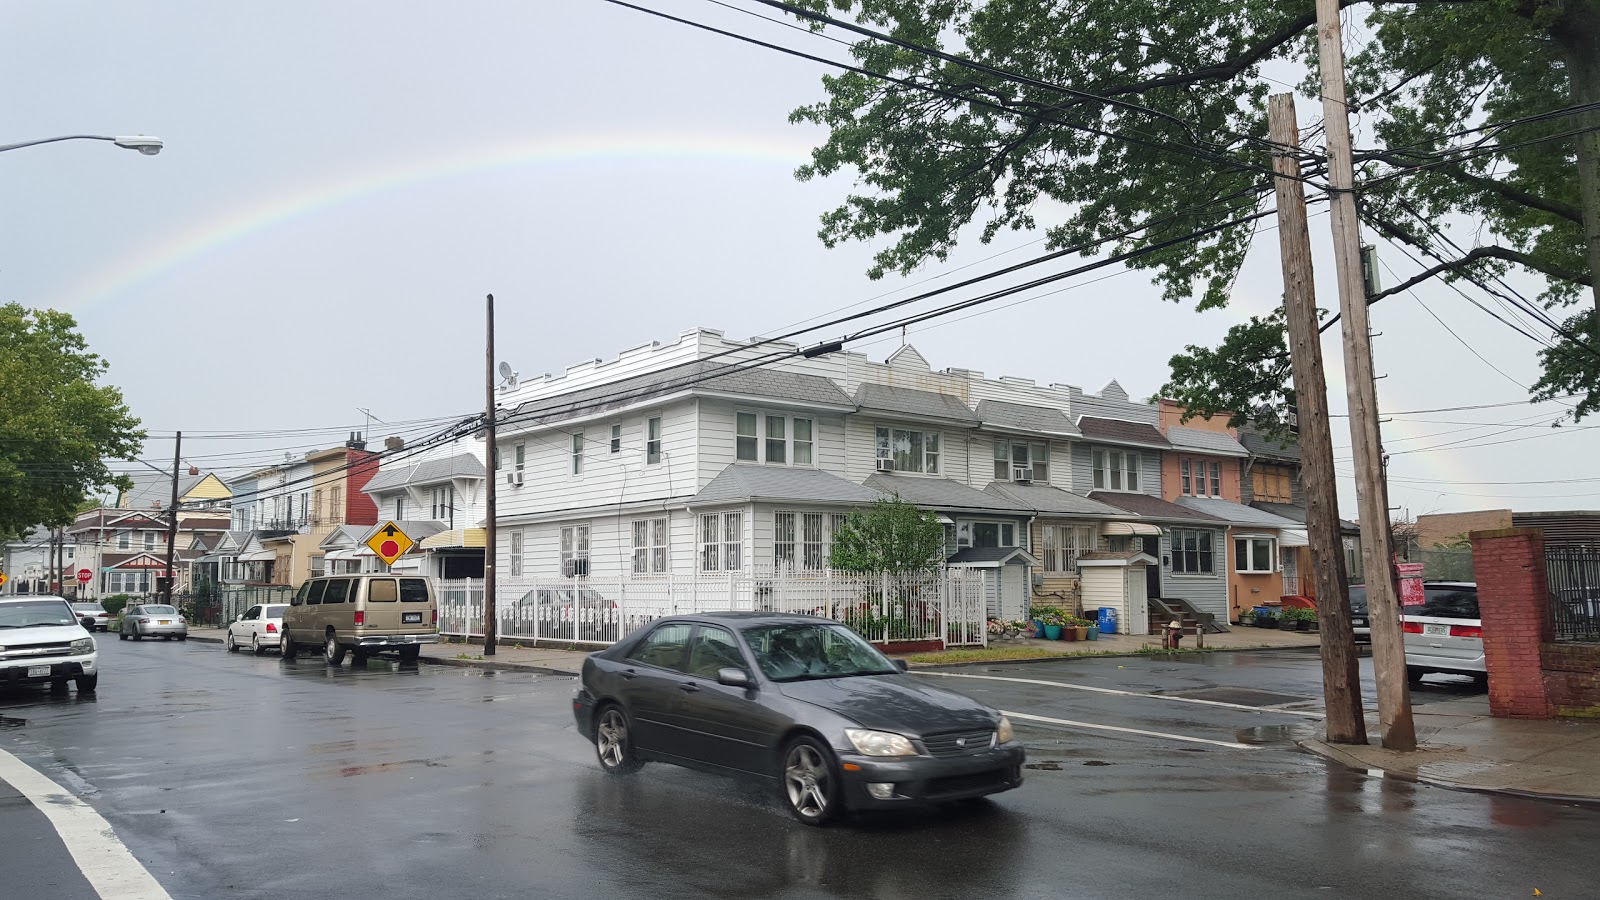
[(456, 663), (1330, 752)]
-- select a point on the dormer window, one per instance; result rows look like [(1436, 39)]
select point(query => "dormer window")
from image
[(1021, 461), (773, 438), (910, 451), (1116, 470)]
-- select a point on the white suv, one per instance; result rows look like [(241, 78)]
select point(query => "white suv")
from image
[(1445, 633), (43, 640)]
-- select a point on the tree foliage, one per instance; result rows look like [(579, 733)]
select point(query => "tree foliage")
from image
[(890, 536), (1177, 139), (57, 425)]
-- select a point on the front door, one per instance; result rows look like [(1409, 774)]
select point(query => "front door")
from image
[(1152, 573)]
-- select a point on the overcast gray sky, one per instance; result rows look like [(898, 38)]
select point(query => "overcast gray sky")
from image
[(343, 182)]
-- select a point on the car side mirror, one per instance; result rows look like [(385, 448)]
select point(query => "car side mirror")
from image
[(901, 665), (87, 622), (239, 617), (733, 677)]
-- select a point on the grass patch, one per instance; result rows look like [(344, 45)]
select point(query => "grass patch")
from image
[(991, 654)]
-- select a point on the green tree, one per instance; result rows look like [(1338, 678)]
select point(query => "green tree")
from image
[(57, 425), (890, 536), (1130, 112)]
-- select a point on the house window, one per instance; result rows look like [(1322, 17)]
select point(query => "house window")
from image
[(1191, 552), (305, 506), (124, 540), (616, 439), (521, 451), (803, 540), (1252, 554), (1216, 479), (992, 534), (443, 502), (516, 551), (577, 453), (1021, 461), (574, 551), (1116, 470), (318, 510), (721, 546), (652, 443), (337, 502), (1060, 546), (1271, 484), (912, 451), (649, 546), (1198, 485), (779, 440), (1183, 476), (745, 443), (399, 509)]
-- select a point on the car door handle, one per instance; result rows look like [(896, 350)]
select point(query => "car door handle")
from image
[(629, 674), (689, 687)]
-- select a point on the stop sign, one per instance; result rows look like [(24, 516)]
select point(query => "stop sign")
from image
[(85, 576)]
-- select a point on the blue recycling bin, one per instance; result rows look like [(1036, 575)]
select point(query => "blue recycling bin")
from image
[(1107, 620)]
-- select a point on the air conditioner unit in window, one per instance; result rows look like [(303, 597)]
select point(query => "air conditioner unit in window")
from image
[(885, 464), (575, 568), (1022, 473), (514, 478)]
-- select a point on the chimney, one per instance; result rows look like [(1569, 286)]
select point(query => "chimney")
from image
[(393, 443), (194, 470), (357, 441)]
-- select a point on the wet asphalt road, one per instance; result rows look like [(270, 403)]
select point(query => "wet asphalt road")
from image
[(235, 776)]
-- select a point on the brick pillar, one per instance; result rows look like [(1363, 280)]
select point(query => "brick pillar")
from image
[(1513, 594)]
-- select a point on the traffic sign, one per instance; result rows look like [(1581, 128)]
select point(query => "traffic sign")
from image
[(390, 543), (85, 576), (3, 579)]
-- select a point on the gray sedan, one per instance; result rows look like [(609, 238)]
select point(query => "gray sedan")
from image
[(153, 620), (799, 700)]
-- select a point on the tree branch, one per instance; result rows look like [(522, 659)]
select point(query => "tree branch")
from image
[(1518, 195), (1476, 254)]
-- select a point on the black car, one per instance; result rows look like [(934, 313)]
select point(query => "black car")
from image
[(801, 700), (1360, 621)]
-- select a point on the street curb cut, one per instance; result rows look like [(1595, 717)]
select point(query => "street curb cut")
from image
[(1328, 751), (457, 663), (1068, 657)]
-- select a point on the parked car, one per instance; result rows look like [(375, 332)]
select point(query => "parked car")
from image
[(802, 701), (43, 640), (361, 614), (564, 614), (153, 620), (1360, 622), (1445, 633), (260, 628), (90, 610)]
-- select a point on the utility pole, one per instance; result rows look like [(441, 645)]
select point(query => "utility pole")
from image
[(50, 573), (489, 483), (1341, 679), (172, 520), (1388, 648)]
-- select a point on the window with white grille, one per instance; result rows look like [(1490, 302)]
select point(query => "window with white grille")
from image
[(721, 542), (650, 546), (574, 550)]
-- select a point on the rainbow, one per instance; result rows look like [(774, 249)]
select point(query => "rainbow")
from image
[(242, 222)]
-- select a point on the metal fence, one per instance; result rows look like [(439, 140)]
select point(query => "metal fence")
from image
[(1574, 576), (946, 607), (235, 599), (1442, 564)]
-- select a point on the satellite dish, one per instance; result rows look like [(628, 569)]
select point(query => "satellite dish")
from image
[(505, 371)]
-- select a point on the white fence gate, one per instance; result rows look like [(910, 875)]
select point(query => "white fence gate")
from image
[(945, 606)]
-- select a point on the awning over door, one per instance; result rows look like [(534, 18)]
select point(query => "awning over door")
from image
[(1293, 537), (1143, 528), (259, 556)]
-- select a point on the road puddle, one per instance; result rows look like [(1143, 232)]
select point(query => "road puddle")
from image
[(1276, 734)]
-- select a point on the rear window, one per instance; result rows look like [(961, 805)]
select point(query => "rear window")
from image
[(1358, 598), (273, 612), (1447, 603), (336, 591), (413, 590), (160, 611), (381, 590)]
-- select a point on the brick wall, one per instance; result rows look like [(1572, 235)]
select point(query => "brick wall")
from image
[(360, 509), (1572, 678), (1513, 595)]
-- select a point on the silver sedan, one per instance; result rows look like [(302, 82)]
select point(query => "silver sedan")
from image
[(153, 620)]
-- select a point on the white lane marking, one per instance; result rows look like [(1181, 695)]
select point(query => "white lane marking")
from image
[(103, 859), (1309, 713), (1232, 745)]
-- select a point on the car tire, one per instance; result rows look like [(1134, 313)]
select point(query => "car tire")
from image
[(613, 742), (1481, 679), (333, 651), (228, 642), (255, 645), (87, 683), (58, 686), (183, 637), (1414, 674), (286, 647), (122, 635), (166, 637), (137, 636), (809, 782), (358, 658), (410, 654)]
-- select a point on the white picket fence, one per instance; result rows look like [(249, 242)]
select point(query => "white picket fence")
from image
[(946, 606)]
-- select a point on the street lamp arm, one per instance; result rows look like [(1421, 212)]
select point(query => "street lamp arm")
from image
[(149, 146)]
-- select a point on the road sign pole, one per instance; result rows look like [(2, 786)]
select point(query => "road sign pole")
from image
[(489, 630)]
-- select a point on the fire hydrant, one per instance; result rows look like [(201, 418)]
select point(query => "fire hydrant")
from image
[(1172, 634)]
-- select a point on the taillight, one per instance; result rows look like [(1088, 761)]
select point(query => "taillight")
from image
[(144, 621), (1466, 631), (361, 617), (1412, 627), (271, 628), (436, 617)]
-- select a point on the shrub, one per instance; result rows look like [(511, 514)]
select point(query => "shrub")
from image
[(114, 604)]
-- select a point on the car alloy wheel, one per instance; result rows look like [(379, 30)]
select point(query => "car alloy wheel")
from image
[(613, 744), (228, 642), (255, 644), (808, 782)]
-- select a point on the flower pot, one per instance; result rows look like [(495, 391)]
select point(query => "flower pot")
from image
[(1094, 633), (1068, 633), (1052, 632), (1082, 632), (1266, 622), (1302, 625), (1038, 628)]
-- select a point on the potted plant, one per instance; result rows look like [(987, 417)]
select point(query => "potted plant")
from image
[(1266, 617), (1247, 619), (1080, 628), (1094, 630), (1052, 619)]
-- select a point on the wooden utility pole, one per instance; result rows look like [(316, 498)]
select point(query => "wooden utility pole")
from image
[(172, 520), (52, 569), (1388, 647), (1341, 679), (489, 484)]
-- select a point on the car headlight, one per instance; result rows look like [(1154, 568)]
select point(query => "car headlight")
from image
[(1004, 733), (880, 743), (82, 647)]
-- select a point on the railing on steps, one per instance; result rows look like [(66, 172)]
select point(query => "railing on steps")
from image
[(1186, 615)]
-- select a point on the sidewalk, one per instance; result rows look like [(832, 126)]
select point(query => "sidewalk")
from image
[(1114, 644), (1461, 746), (507, 655)]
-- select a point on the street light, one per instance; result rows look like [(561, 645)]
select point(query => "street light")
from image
[(149, 146)]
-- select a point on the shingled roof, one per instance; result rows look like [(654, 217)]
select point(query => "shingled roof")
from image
[(912, 402), (1118, 431), (699, 376), (1019, 417)]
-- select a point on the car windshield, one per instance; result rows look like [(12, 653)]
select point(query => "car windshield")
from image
[(801, 651), (159, 611), (36, 614), (273, 612)]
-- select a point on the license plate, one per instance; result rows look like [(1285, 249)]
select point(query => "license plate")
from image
[(1359, 623), (411, 618), (38, 671), (1429, 628), (165, 622)]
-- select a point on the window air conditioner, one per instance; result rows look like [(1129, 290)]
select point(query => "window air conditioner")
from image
[(514, 478), (1022, 473), (885, 464)]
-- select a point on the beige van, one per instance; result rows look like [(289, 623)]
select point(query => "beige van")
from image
[(362, 614)]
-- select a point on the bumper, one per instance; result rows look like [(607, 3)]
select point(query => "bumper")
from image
[(395, 640), (1467, 665), (926, 779), (154, 630), (20, 671), (1362, 629), (583, 714)]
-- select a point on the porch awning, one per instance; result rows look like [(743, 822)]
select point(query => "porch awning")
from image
[(259, 556), (347, 553), (1144, 528), (455, 538), (1293, 537)]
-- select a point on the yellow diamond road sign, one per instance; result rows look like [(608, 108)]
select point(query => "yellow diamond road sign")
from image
[(390, 543)]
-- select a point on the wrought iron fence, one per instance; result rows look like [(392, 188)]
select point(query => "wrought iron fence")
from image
[(1574, 577), (235, 599), (947, 607)]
